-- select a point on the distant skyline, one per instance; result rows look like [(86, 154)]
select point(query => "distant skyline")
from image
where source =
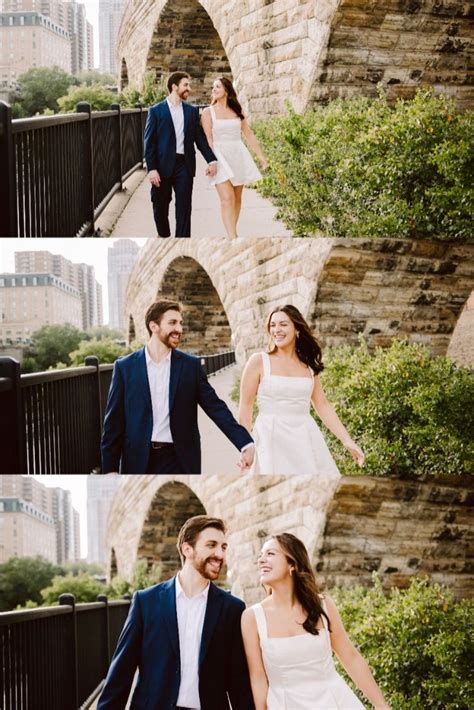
[(91, 251)]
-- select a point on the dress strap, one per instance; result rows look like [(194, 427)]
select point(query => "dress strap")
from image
[(212, 112), (325, 621), (261, 621), (266, 364)]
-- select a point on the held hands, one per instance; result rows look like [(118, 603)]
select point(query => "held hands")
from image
[(263, 162), (211, 170), (154, 178), (246, 458), (355, 451)]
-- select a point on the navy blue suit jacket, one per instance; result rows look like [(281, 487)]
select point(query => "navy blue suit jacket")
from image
[(160, 139), (128, 420), (150, 642)]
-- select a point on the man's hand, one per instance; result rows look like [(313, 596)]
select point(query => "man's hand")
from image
[(154, 178), (247, 457), (211, 170)]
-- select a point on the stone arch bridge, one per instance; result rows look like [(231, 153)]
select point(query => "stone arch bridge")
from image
[(377, 288), (344, 525), (301, 50)]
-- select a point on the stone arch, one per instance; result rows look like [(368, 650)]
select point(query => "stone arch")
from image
[(170, 507), (131, 329), (183, 29), (123, 74), (207, 328), (113, 564), (461, 345)]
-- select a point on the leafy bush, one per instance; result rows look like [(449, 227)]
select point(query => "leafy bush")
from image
[(143, 576), (412, 413), (84, 587), (417, 641), (360, 168), (96, 95), (40, 89), (152, 92), (22, 579), (106, 350)]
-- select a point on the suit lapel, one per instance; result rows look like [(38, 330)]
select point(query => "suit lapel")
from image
[(142, 377), (175, 372), (213, 610), (171, 618), (167, 113), (186, 116)]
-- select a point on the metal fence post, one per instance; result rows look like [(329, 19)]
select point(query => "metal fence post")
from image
[(8, 223), (84, 107), (116, 107), (140, 144), (69, 600), (12, 420), (104, 599), (93, 361)]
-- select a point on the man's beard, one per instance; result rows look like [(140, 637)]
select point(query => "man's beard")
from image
[(200, 565), (166, 340)]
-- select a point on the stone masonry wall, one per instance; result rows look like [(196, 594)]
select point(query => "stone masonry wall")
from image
[(303, 51), (377, 288), (351, 528)]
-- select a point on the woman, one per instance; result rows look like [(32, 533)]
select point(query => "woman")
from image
[(290, 636), (224, 125), (286, 381)]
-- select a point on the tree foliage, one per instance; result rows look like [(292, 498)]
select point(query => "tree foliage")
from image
[(363, 168), (152, 92), (52, 344), (22, 579), (40, 89), (106, 350), (84, 588)]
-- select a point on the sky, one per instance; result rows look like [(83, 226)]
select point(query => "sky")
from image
[(91, 251), (92, 14)]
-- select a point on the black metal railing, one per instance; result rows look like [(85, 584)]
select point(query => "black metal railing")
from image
[(59, 172), (57, 657), (214, 363), (51, 422)]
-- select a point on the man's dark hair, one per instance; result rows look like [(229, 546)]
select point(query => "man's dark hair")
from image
[(175, 78), (156, 310), (193, 527)]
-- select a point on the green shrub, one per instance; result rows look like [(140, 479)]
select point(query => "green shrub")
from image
[(97, 95), (412, 413), (417, 641), (360, 168), (84, 587), (153, 91)]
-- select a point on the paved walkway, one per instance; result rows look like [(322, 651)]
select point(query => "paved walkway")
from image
[(130, 214)]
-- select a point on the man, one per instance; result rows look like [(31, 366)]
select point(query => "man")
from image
[(184, 636), (172, 129), (150, 423)]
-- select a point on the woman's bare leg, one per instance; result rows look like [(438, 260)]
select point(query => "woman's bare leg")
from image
[(226, 194), (238, 190)]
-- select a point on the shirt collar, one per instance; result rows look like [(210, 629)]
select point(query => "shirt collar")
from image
[(173, 106), (180, 591), (150, 361)]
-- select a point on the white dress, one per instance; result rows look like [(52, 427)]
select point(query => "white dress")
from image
[(287, 439), (234, 160), (301, 672)]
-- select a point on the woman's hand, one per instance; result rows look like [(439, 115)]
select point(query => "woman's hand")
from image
[(355, 451), (263, 162)]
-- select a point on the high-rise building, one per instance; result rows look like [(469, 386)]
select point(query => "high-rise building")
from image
[(37, 520), (100, 494), (30, 300), (121, 258), (28, 40), (80, 276), (110, 17)]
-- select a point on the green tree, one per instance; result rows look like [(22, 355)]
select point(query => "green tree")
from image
[(29, 364), (53, 343), (41, 88), (96, 95), (106, 350), (22, 579), (83, 567), (144, 575), (84, 587), (104, 331), (93, 76)]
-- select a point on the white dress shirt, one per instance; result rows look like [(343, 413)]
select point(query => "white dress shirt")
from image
[(159, 381), (190, 612), (177, 114)]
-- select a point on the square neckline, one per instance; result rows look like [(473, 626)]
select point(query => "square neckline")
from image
[(294, 636), (266, 357)]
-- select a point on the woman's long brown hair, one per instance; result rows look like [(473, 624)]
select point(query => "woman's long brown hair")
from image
[(306, 587), (232, 100), (307, 347)]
